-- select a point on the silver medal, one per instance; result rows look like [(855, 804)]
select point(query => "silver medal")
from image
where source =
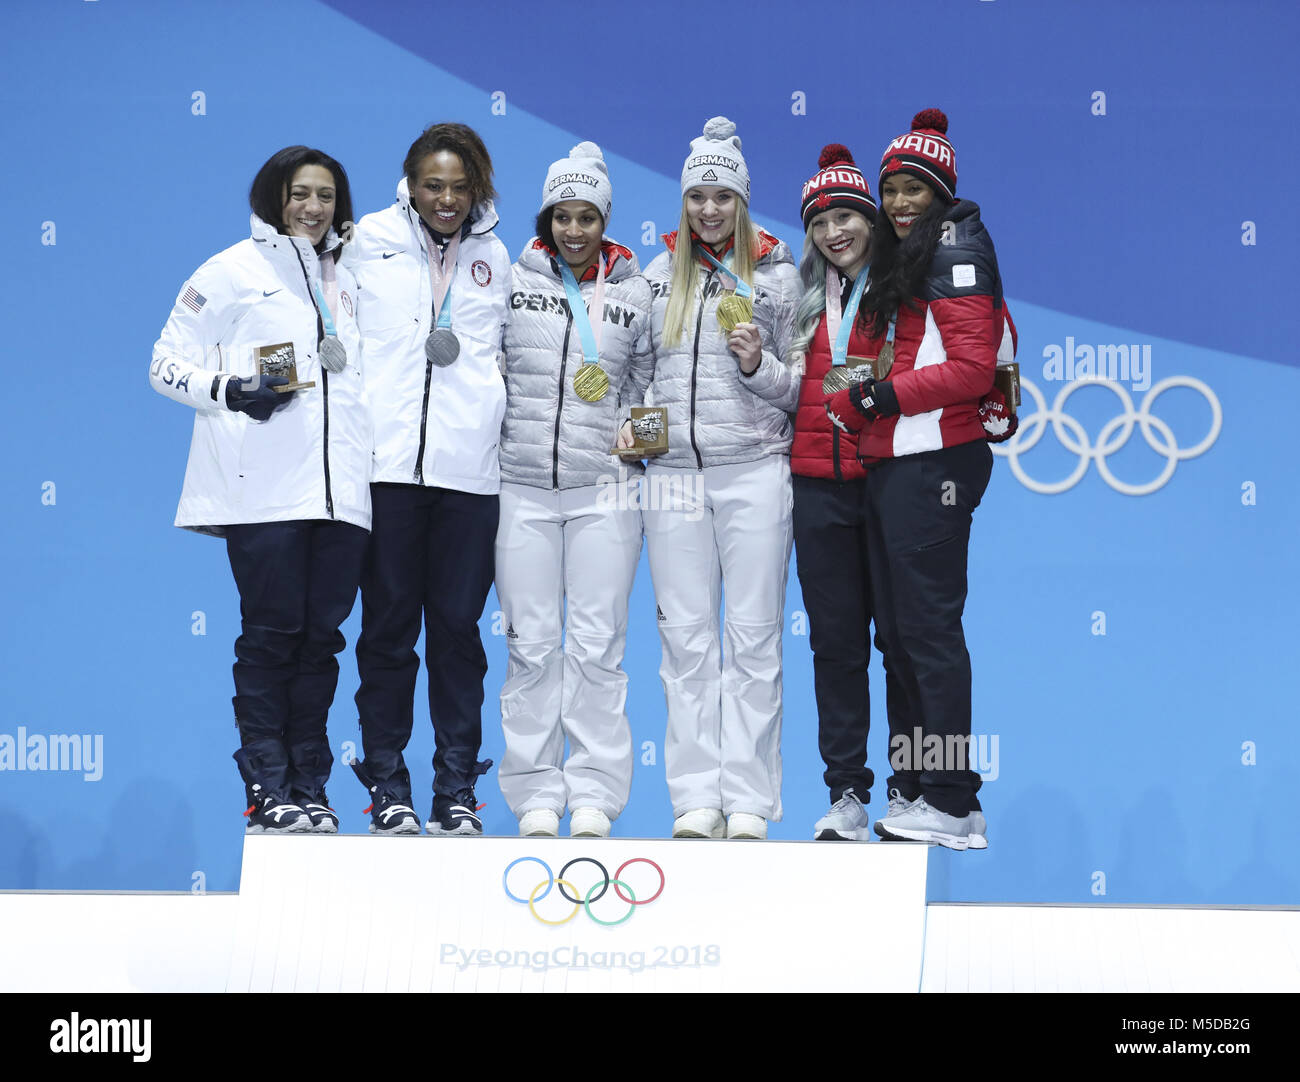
[(442, 347), (333, 355)]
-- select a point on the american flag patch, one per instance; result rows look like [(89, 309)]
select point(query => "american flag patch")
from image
[(193, 299)]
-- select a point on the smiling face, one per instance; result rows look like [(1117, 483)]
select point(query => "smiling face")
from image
[(843, 236), (903, 198), (309, 204), (441, 192), (711, 210), (577, 228)]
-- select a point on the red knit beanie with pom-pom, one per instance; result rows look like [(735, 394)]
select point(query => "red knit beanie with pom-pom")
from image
[(924, 152), (838, 182)]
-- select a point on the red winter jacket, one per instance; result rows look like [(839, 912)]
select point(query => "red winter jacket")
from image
[(820, 449), (946, 347)]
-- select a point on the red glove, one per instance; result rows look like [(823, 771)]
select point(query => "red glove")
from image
[(998, 421)]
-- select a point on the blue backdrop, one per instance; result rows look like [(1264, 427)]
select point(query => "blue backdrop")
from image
[(1132, 582)]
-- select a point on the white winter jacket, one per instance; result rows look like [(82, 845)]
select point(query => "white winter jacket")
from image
[(551, 437), (433, 426), (311, 458), (718, 416)]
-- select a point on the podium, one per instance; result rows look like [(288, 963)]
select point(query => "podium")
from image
[(462, 914)]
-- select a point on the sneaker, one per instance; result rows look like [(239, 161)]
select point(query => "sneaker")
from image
[(897, 805), (389, 814), (700, 823), (745, 825), (588, 823), (322, 816), (272, 813), (922, 823), (847, 821), (539, 823), (454, 815)]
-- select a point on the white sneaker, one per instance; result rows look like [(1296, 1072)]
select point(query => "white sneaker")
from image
[(539, 823), (588, 823), (700, 823), (846, 821), (745, 825)]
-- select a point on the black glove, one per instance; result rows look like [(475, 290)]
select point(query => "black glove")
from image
[(256, 395)]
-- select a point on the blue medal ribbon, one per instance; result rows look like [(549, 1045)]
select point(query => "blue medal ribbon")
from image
[(578, 308), (743, 288)]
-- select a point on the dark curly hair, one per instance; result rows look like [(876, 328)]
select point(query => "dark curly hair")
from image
[(464, 142)]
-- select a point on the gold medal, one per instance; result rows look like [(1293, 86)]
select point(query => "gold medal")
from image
[(591, 384), (733, 309)]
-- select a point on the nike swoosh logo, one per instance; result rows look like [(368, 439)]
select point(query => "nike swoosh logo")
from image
[(269, 293), (389, 255)]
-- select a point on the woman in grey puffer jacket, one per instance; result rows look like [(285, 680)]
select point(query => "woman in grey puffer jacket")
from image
[(578, 357), (718, 504)]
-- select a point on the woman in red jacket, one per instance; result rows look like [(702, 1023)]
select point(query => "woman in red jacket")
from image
[(935, 292), (830, 486)]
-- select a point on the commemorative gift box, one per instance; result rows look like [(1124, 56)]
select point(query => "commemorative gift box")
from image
[(649, 433), (278, 360)]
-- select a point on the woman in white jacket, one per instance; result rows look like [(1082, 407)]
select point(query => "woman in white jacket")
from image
[(717, 506), (282, 474), (578, 357)]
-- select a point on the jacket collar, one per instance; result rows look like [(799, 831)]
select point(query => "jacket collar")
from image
[(482, 218), (766, 244), (619, 261), (275, 243)]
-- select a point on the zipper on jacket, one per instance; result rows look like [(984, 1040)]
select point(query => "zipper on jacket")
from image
[(325, 398), (695, 369), (835, 449), (559, 409), (424, 423)]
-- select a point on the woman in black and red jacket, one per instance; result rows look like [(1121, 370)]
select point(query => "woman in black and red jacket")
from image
[(830, 486), (935, 291)]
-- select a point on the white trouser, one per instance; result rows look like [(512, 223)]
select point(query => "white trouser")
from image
[(583, 545), (725, 526)]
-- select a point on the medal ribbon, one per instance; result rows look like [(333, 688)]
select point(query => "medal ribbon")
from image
[(742, 288), (442, 268), (327, 302), (840, 332), (590, 340)]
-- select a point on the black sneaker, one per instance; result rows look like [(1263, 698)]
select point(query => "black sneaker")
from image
[(322, 816), (272, 813), (454, 815), (269, 810), (389, 814)]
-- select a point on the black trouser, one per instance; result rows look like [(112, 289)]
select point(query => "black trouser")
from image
[(830, 539), (297, 583), (920, 535), (431, 557)]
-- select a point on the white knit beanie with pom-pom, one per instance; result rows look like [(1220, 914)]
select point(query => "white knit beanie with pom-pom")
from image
[(715, 159), (582, 175)]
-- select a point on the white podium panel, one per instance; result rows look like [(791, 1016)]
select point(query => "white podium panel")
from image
[(357, 913)]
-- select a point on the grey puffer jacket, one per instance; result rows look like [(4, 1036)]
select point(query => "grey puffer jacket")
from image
[(717, 415), (551, 438)]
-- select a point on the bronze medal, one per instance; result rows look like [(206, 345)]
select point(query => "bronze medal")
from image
[(885, 361), (732, 310), (842, 376), (591, 384)]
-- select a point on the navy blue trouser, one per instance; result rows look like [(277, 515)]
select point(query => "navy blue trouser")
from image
[(430, 558), (297, 583), (919, 539), (830, 544)]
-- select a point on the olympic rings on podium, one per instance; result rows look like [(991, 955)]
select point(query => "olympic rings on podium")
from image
[(573, 894)]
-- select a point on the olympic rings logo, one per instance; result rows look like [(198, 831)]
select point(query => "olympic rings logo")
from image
[(1114, 435), (580, 899)]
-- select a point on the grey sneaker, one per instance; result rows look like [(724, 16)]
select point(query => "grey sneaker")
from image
[(922, 823), (897, 805), (846, 821)]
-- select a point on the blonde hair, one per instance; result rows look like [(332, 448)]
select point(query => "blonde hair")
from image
[(686, 269)]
